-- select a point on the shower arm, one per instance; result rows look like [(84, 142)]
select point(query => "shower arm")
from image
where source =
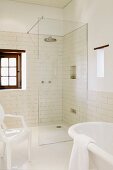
[(39, 19)]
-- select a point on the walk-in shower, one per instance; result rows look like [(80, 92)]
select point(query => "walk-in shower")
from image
[(62, 45)]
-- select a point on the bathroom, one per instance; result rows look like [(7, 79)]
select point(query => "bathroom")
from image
[(60, 85)]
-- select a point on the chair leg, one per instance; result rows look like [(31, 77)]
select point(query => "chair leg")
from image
[(8, 155), (3, 150), (29, 148)]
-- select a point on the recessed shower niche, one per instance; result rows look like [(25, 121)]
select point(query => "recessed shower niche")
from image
[(72, 72)]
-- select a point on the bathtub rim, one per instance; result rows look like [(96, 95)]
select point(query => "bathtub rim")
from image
[(72, 130), (92, 147)]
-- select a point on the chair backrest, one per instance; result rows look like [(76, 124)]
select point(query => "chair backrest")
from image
[(1, 114)]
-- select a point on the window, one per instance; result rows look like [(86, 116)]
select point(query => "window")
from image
[(10, 70), (100, 62)]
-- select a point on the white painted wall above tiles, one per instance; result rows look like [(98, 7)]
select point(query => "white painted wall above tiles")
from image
[(50, 27), (19, 17)]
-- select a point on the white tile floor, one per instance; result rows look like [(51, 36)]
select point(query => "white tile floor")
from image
[(44, 157), (51, 134)]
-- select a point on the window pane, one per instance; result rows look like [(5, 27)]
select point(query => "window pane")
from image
[(4, 81), (12, 81), (12, 61), (4, 62), (100, 63), (12, 71), (4, 71)]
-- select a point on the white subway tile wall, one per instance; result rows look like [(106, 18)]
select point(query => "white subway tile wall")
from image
[(100, 106), (75, 90), (44, 63), (50, 80), (51, 94)]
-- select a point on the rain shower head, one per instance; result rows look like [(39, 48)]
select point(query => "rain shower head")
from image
[(50, 39)]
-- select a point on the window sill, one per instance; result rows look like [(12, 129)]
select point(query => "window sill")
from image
[(1, 90)]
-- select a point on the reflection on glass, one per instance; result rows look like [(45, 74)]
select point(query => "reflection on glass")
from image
[(4, 62), (4, 71), (12, 61), (4, 81), (12, 81), (12, 71)]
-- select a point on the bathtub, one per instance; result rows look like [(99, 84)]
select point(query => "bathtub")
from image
[(101, 153)]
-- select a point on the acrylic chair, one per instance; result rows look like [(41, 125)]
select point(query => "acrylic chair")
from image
[(14, 136)]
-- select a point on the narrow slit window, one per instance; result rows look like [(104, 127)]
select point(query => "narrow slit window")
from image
[(100, 62)]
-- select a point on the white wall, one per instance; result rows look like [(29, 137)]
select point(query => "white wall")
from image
[(98, 15), (15, 20), (39, 102), (75, 90), (22, 101), (50, 72), (19, 17)]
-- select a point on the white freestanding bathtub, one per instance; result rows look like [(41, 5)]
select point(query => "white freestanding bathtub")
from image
[(101, 153)]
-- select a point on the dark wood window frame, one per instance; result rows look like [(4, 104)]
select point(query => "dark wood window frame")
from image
[(104, 46), (17, 54)]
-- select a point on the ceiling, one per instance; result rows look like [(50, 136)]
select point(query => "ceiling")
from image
[(52, 3)]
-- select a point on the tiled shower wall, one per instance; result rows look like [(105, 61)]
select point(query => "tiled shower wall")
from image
[(75, 90), (50, 80), (48, 65), (41, 62), (42, 101)]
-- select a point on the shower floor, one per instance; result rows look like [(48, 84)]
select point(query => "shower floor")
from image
[(51, 134)]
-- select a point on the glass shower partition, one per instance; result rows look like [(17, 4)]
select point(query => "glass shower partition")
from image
[(61, 100)]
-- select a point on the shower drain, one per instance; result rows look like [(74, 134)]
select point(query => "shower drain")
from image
[(58, 126)]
